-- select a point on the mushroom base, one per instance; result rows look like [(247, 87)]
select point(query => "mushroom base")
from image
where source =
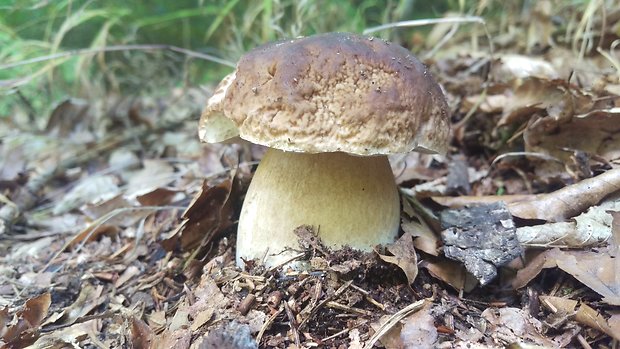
[(350, 200)]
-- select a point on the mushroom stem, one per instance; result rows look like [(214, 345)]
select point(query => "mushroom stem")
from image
[(351, 200)]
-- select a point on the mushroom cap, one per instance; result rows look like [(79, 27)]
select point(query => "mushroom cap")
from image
[(329, 93)]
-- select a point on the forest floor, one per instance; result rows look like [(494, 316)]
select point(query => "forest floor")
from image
[(118, 227)]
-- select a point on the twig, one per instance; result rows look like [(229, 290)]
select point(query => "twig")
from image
[(313, 311), (268, 323), (393, 320), (340, 333), (292, 323), (368, 297), (336, 305)]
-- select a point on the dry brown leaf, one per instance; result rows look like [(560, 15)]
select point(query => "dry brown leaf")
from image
[(157, 197), (590, 317), (559, 304), (209, 300), (67, 116), (25, 330), (4, 320), (404, 256), (207, 214), (535, 262), (142, 336), (91, 189), (425, 238), (123, 219), (596, 270), (591, 228), (513, 325), (519, 66), (584, 314), (419, 330), (450, 272), (35, 309), (555, 98), (157, 320), (614, 322), (130, 273), (596, 132), (69, 337), (155, 174), (92, 233), (568, 201), (88, 299)]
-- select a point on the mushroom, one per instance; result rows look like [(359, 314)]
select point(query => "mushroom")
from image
[(330, 107)]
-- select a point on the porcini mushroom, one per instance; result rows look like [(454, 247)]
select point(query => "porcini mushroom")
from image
[(330, 107)]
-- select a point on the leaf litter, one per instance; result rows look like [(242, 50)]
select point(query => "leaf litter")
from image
[(121, 233)]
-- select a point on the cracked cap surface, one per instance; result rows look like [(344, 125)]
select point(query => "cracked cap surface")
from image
[(328, 93)]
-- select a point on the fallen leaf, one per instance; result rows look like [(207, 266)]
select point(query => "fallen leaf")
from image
[(207, 214), (536, 261), (4, 320), (123, 218), (450, 272), (591, 228), (554, 98), (130, 273), (519, 66), (596, 132), (67, 116), (583, 314), (157, 197), (596, 270), (425, 238), (68, 337), (88, 299), (513, 325), (404, 256), (25, 330), (419, 330), (155, 174), (568, 201), (590, 317), (91, 189), (142, 336), (35, 309)]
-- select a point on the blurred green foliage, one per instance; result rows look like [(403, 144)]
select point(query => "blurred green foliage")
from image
[(222, 28)]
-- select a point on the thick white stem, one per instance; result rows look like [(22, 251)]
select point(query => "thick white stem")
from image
[(351, 200)]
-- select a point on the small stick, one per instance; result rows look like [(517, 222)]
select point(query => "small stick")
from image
[(393, 320), (268, 323), (292, 323), (323, 302), (349, 309), (335, 335), (368, 297), (246, 304)]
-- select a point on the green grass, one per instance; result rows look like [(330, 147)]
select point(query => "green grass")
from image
[(222, 28)]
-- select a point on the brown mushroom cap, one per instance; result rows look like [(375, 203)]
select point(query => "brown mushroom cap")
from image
[(328, 93)]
